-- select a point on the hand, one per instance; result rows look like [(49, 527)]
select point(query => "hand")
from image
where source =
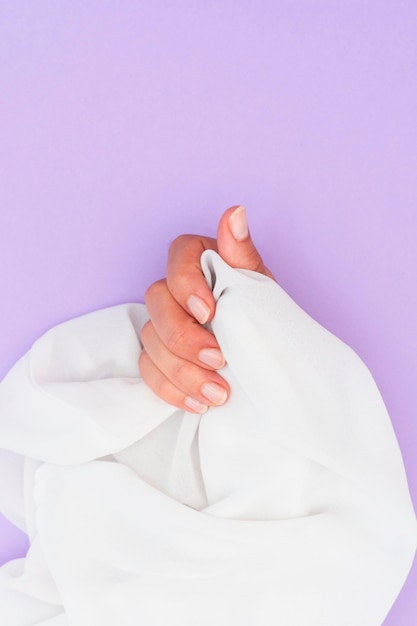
[(180, 358)]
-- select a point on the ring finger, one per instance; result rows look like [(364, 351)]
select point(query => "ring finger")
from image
[(202, 385)]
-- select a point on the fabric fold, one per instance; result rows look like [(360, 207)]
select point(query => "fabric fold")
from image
[(289, 504), (75, 396)]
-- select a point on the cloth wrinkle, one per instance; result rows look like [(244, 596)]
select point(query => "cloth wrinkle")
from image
[(289, 504)]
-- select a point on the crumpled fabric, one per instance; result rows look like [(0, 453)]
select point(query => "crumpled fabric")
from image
[(287, 505)]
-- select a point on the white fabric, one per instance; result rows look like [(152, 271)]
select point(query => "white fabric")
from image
[(287, 506)]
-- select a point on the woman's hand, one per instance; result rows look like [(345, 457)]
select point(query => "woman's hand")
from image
[(180, 358)]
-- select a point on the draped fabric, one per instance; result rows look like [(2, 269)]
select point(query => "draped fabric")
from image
[(288, 505)]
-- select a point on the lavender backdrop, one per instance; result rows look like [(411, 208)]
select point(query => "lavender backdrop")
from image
[(124, 124)]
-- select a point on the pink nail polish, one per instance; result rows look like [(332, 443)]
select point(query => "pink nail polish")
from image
[(212, 357), (238, 224), (195, 405), (214, 393), (198, 309)]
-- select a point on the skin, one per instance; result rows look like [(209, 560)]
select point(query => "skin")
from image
[(181, 360)]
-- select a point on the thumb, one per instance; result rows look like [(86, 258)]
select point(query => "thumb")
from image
[(234, 242)]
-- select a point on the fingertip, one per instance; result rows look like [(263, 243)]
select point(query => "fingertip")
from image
[(212, 357), (216, 394), (234, 242), (237, 224), (226, 221), (195, 406), (198, 308)]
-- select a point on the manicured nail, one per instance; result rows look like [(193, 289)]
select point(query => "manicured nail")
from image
[(212, 357), (238, 224), (198, 309), (195, 405), (214, 393)]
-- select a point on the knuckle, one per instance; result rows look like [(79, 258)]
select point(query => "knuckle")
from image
[(143, 362), (181, 375), (155, 380), (146, 332), (178, 242), (163, 388), (255, 261), (180, 287), (154, 291), (176, 340)]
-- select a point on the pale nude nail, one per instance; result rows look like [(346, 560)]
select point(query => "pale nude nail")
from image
[(212, 357), (195, 405), (214, 393), (238, 224), (198, 309)]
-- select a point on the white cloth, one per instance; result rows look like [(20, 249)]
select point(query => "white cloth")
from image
[(289, 505)]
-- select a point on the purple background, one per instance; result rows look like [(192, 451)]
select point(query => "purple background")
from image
[(124, 124)]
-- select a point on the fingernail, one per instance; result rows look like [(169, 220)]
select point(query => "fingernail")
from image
[(212, 357), (214, 393), (195, 405), (238, 224), (198, 309)]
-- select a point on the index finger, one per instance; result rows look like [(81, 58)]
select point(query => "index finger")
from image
[(185, 277)]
